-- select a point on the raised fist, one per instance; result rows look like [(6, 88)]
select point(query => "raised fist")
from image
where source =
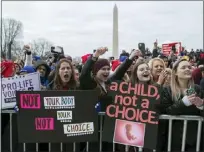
[(27, 49), (100, 51)]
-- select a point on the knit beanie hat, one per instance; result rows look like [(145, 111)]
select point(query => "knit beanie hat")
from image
[(99, 64)]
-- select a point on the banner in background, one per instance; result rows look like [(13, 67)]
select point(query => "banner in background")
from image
[(166, 48)]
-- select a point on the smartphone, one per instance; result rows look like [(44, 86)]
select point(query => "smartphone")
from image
[(190, 91)]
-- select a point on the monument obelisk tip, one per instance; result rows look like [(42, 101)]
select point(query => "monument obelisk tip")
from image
[(115, 32)]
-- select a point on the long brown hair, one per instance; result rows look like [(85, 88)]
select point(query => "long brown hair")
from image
[(57, 84), (175, 88), (134, 78)]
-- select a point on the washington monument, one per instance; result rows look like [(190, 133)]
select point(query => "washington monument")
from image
[(115, 32)]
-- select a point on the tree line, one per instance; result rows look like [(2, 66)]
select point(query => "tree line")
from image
[(12, 44)]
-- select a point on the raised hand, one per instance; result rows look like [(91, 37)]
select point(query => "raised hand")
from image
[(26, 48), (100, 51), (162, 77), (135, 53)]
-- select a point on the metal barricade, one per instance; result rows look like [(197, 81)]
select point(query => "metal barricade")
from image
[(184, 118)]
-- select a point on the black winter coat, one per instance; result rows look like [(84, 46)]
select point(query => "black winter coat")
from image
[(87, 81), (171, 107)]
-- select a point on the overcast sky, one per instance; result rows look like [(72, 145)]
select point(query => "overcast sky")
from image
[(81, 27)]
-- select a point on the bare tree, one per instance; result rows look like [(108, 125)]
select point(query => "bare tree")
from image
[(17, 50), (40, 46), (11, 30)]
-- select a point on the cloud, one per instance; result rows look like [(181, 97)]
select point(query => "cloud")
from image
[(81, 27)]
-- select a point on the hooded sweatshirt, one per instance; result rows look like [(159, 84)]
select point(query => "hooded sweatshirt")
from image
[(44, 80)]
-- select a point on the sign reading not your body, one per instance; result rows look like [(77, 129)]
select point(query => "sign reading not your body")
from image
[(57, 116)]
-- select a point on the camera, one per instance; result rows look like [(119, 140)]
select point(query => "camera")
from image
[(57, 50), (56, 53)]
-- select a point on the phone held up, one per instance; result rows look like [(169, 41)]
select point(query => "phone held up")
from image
[(190, 91)]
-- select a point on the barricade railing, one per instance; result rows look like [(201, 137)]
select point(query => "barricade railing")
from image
[(170, 118)]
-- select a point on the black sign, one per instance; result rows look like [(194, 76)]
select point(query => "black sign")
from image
[(132, 118), (57, 116)]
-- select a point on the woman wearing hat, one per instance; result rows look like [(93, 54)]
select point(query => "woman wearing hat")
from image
[(96, 75)]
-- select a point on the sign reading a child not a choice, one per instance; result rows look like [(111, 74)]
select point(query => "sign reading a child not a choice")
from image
[(53, 116), (9, 86), (132, 118)]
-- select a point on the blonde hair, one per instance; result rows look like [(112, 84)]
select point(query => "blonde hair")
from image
[(151, 62), (175, 88), (168, 70)]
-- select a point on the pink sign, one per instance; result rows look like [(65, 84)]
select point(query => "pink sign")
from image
[(30, 101), (44, 123)]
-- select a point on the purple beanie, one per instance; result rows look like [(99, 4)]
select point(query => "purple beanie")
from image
[(99, 64)]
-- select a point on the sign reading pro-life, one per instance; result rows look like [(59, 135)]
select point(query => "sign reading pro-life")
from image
[(9, 86)]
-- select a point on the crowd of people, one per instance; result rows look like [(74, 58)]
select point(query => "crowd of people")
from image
[(176, 74)]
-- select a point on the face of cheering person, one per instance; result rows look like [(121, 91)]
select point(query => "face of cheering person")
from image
[(42, 70), (103, 73), (143, 73), (157, 67), (184, 70), (65, 71), (17, 68), (76, 74)]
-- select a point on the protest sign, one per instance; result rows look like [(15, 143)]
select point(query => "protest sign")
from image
[(57, 116), (9, 86), (132, 118), (166, 48)]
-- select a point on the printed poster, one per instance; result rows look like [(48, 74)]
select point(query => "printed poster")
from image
[(57, 116), (166, 48), (132, 118), (9, 86)]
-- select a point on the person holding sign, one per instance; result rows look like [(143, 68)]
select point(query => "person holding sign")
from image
[(64, 80), (96, 74), (183, 97), (141, 73)]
